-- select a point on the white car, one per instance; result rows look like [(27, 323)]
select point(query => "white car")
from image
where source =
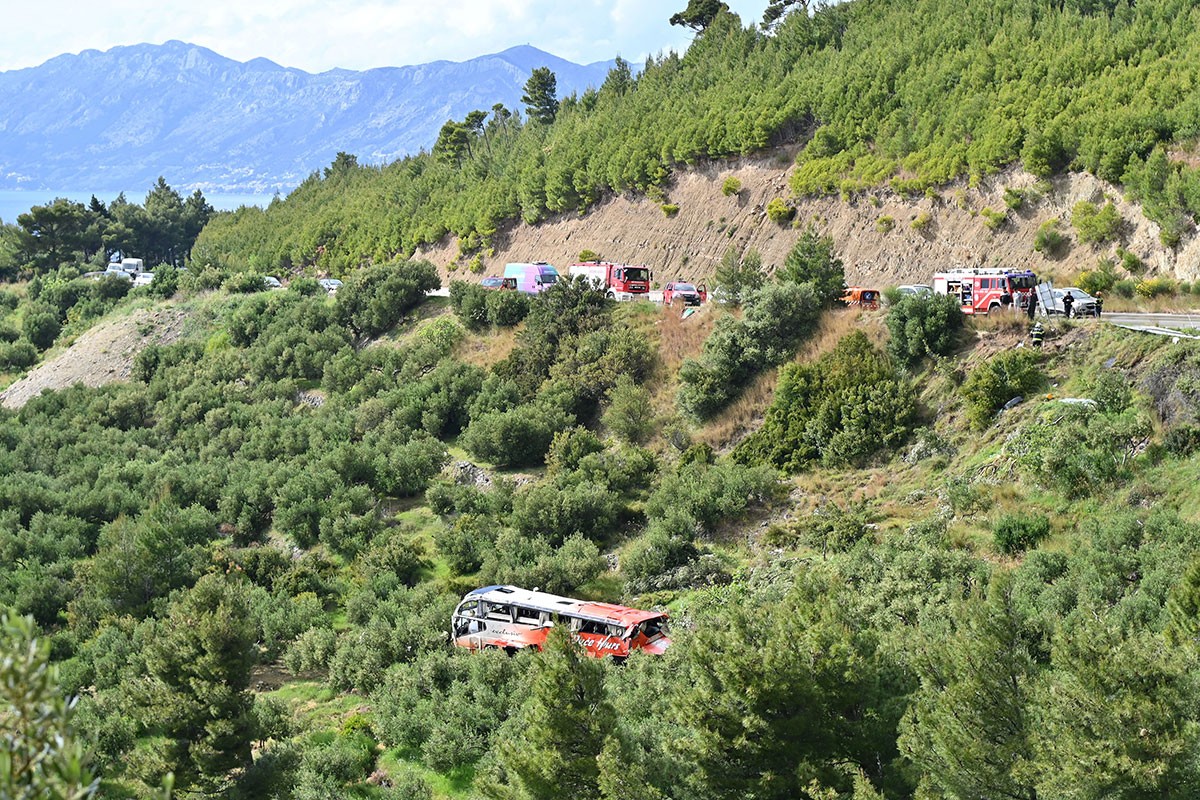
[(330, 285), (271, 282), (143, 279), (915, 289), (1084, 305)]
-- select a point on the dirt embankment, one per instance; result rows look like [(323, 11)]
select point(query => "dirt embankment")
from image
[(102, 355), (873, 234)]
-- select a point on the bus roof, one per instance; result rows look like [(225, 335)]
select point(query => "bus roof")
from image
[(555, 604)]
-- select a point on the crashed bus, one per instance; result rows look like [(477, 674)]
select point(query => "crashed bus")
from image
[(510, 618)]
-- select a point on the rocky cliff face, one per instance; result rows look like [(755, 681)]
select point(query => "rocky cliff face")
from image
[(690, 244), (117, 120)]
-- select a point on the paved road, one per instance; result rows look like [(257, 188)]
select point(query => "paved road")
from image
[(1149, 320)]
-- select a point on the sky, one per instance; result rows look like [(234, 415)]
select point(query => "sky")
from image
[(318, 35)]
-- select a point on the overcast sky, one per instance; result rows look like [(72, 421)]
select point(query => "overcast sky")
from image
[(316, 35)]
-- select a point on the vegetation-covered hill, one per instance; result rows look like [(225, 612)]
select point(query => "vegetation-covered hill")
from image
[(906, 554), (908, 95), (244, 558)]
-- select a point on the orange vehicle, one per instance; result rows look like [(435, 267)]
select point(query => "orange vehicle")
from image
[(858, 296), (510, 618)]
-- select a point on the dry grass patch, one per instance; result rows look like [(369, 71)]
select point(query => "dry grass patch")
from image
[(680, 338), (486, 349)]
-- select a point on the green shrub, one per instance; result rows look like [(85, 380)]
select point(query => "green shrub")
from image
[(1016, 533), (244, 283), (1098, 280), (1013, 198), (841, 409), (1095, 225), (994, 220), (670, 209), (41, 326), (1130, 262), (507, 308), (516, 437), (470, 303), (1125, 288), (17, 355), (1048, 241), (779, 211), (998, 380), (885, 224), (588, 255), (731, 186), (922, 222), (921, 326)]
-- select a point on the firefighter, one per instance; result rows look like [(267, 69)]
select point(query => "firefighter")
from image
[(1038, 334), (1099, 303), (1068, 304)]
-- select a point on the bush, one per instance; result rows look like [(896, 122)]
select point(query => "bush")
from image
[(470, 303), (41, 326), (921, 326), (506, 308), (630, 414), (1013, 198), (518, 437), (995, 382), (922, 222), (1125, 288), (731, 186), (779, 211), (841, 409), (1097, 280), (242, 283), (1048, 241), (1155, 287), (588, 255), (994, 220), (885, 224), (670, 209), (1095, 225), (373, 300), (17, 355), (1016, 533)]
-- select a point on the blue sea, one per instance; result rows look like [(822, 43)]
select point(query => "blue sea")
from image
[(14, 202)]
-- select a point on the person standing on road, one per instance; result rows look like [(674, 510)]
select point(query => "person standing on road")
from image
[(1099, 303), (1068, 304)]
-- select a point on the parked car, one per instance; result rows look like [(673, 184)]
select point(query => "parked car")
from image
[(915, 289), (271, 282), (117, 272), (1084, 305), (143, 279), (330, 285), (687, 293), (492, 282)]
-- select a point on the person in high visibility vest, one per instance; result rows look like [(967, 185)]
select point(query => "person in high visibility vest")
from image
[(1038, 333)]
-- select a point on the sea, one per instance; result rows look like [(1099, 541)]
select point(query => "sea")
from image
[(19, 201)]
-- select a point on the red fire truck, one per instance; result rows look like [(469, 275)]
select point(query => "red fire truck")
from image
[(984, 291), (510, 618), (618, 281)]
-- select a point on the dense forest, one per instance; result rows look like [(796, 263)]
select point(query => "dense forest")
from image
[(897, 564)]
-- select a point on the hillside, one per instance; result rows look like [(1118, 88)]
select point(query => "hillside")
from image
[(691, 243), (117, 120)]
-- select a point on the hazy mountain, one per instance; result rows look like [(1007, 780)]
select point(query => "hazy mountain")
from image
[(116, 120)]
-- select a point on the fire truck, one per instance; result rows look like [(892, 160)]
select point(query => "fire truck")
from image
[(984, 291), (618, 281)]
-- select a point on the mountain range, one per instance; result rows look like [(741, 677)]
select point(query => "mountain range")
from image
[(118, 119)]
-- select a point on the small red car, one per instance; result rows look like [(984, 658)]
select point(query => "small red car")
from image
[(686, 293)]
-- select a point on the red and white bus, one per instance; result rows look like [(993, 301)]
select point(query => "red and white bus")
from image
[(982, 291), (510, 618)]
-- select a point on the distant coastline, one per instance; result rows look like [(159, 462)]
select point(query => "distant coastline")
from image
[(14, 202)]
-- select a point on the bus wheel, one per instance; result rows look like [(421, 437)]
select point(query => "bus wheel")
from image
[(611, 296), (993, 308)]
